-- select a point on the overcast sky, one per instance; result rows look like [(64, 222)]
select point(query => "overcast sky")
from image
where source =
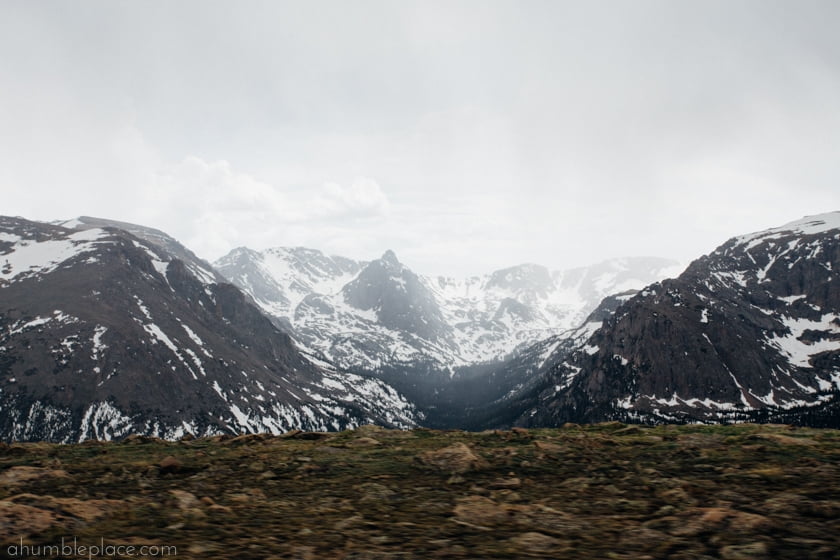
[(466, 136)]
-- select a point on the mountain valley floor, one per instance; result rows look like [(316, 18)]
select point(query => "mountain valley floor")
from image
[(600, 491)]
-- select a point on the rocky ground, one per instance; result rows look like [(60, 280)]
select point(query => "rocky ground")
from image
[(607, 491)]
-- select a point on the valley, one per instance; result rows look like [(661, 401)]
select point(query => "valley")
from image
[(109, 329)]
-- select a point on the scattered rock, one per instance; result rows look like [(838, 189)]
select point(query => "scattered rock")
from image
[(581, 498), (827, 509), (786, 502), (628, 431), (308, 436), (21, 519), (330, 450), (481, 511), (302, 553), (290, 434), (677, 497), (535, 542), (455, 459), (701, 440), (484, 513), (369, 429), (309, 468), (139, 438), (506, 483), (82, 510), (374, 492), (216, 508), (787, 440), (17, 476), (743, 522), (16, 450), (744, 551), (170, 465), (696, 521), (201, 549), (549, 520), (550, 448), (578, 483), (350, 522), (249, 495), (186, 500), (248, 438), (363, 442)]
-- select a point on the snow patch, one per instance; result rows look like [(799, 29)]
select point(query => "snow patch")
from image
[(591, 350), (31, 257), (98, 346), (800, 352)]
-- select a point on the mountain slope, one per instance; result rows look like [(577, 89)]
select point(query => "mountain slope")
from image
[(750, 331), (495, 395), (105, 332), (380, 316)]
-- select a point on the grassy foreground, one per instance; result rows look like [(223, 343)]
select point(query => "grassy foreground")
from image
[(602, 491)]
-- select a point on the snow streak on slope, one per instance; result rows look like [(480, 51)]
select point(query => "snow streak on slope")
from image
[(104, 333), (379, 314), (24, 258), (751, 329)]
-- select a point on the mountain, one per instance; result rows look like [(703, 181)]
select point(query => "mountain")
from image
[(494, 395), (748, 332), (380, 316), (171, 248), (109, 328), (279, 279)]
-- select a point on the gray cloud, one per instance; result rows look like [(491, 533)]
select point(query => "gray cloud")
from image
[(464, 135)]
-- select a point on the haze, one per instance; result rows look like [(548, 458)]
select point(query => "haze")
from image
[(465, 136)]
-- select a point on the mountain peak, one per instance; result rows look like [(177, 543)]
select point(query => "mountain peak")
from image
[(390, 258), (809, 225)]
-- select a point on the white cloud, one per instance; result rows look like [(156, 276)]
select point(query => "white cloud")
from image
[(212, 208), (363, 198)]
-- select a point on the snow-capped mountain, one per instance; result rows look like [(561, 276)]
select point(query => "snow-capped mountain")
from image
[(750, 331), (494, 396), (108, 329), (381, 316)]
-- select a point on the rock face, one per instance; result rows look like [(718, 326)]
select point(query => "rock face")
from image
[(383, 318), (495, 396), (750, 331), (105, 332), (400, 299)]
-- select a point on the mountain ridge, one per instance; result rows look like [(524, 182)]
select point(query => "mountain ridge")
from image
[(750, 330), (458, 322), (103, 333)]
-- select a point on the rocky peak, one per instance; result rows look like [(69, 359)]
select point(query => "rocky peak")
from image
[(400, 298), (753, 326), (389, 260)]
